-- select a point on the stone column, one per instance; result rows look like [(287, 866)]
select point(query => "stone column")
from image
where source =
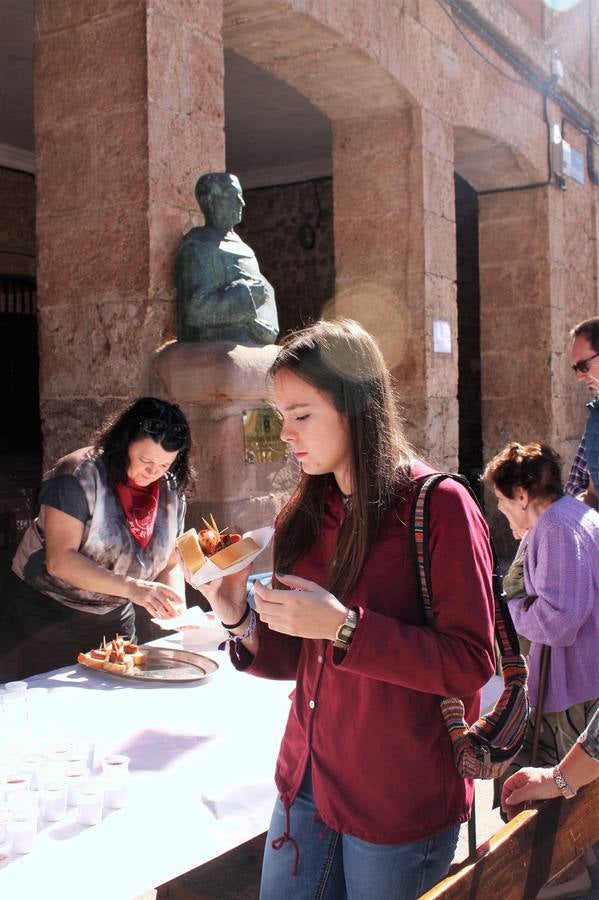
[(128, 111), (516, 318), (538, 255), (395, 259)]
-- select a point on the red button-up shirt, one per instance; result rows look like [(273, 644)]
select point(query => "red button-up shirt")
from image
[(369, 718)]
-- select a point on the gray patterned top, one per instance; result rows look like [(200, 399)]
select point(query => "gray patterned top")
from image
[(78, 486), (590, 737)]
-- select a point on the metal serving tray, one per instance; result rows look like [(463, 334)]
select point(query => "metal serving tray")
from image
[(166, 664)]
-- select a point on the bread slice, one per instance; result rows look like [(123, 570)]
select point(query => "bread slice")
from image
[(190, 550), (122, 667), (234, 553), (87, 660)]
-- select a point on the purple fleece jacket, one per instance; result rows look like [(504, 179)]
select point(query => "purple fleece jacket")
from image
[(561, 568)]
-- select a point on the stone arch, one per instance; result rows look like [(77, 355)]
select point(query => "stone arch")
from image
[(336, 76), (392, 198), (489, 163)]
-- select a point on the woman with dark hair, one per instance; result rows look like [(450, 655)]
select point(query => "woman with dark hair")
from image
[(103, 544), (558, 605), (370, 801)]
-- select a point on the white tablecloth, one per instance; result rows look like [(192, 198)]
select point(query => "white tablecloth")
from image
[(202, 763)]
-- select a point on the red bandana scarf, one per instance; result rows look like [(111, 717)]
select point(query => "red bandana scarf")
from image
[(140, 505)]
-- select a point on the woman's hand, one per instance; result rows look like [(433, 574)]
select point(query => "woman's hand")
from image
[(306, 610), (526, 785), (160, 600), (227, 595)]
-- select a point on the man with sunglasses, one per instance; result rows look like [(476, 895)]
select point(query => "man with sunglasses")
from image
[(585, 365)]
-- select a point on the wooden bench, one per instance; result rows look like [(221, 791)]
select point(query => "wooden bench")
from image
[(527, 852)]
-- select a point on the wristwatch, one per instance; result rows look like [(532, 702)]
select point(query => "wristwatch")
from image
[(345, 633), (562, 785)]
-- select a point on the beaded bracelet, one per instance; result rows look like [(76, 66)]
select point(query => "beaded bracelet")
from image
[(248, 631), (236, 639)]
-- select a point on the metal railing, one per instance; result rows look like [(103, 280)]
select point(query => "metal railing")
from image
[(18, 295)]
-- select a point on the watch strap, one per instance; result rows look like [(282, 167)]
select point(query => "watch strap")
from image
[(562, 785)]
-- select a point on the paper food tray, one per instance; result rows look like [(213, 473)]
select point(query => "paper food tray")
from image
[(209, 572)]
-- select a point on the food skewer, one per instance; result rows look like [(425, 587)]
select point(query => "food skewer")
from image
[(214, 526)]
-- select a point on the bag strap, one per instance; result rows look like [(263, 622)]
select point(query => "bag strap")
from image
[(543, 675), (505, 633)]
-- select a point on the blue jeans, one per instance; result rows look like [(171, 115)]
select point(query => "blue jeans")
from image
[(335, 866)]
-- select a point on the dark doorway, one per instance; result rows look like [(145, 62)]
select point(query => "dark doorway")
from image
[(469, 377), (20, 434)]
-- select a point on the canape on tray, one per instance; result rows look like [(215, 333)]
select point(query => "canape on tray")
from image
[(119, 656)]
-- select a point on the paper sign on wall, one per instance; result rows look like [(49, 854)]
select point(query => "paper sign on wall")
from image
[(441, 336)]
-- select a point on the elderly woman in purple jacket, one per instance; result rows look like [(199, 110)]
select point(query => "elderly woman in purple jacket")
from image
[(559, 605)]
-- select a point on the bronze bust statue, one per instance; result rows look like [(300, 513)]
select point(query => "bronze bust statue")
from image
[(221, 293)]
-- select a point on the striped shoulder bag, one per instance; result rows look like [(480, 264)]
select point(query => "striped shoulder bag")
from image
[(484, 749)]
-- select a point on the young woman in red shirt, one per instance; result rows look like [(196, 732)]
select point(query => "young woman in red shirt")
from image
[(370, 802)]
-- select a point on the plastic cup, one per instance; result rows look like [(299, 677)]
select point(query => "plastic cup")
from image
[(32, 763), (115, 766), (86, 747), (75, 782), (60, 751), (21, 829), (116, 793), (115, 771), (50, 771), (90, 800), (75, 762), (27, 802), (16, 783), (54, 801)]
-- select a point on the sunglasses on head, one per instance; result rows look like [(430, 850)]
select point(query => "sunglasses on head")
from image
[(582, 365), (175, 434)]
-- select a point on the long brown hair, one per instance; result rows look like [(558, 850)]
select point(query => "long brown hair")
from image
[(344, 363)]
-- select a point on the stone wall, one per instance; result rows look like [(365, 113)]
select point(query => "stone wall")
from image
[(303, 277), (569, 32), (129, 104), (17, 223), (128, 108)]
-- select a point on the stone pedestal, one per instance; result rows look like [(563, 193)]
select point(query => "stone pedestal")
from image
[(215, 383)]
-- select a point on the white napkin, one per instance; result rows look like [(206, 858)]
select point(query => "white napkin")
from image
[(194, 617)]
